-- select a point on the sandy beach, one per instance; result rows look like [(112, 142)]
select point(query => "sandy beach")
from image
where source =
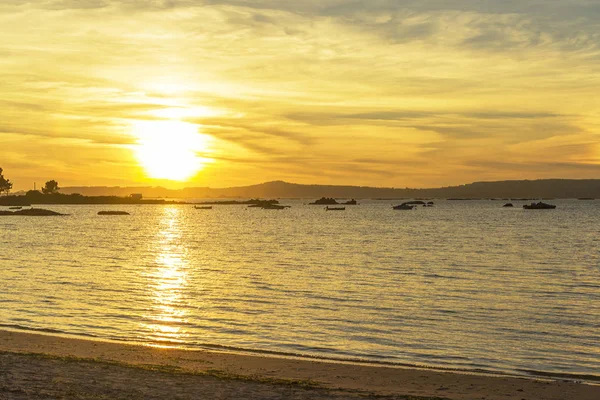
[(43, 366)]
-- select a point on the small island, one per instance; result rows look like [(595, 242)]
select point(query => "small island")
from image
[(330, 201), (539, 206)]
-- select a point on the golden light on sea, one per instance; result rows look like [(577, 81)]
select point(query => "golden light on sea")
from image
[(170, 149), (167, 281)]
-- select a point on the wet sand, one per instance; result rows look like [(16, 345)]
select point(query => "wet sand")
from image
[(36, 366)]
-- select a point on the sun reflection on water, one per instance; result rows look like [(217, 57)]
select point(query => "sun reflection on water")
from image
[(167, 279)]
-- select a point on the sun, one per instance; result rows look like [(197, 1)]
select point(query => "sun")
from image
[(169, 149)]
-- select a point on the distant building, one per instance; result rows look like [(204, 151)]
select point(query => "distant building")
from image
[(136, 196)]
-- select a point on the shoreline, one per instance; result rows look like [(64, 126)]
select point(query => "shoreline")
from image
[(380, 380), (525, 374)]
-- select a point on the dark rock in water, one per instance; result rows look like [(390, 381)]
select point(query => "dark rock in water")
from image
[(415, 202), (330, 201), (113, 213), (325, 201), (508, 205), (272, 204), (404, 206), (409, 205), (32, 212), (539, 206), (273, 207), (38, 212)]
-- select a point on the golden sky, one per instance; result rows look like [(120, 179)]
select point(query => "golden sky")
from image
[(223, 93)]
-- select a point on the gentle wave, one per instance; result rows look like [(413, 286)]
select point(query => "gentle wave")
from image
[(463, 285)]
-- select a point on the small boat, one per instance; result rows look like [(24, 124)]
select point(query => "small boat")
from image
[(203, 207), (15, 208), (334, 208), (273, 207), (113, 213), (539, 206), (403, 206)]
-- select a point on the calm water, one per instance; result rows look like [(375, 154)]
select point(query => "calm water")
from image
[(462, 285)]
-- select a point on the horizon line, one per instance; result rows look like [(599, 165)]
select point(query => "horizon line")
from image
[(322, 184)]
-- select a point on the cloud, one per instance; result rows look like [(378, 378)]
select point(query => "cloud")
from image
[(322, 90), (256, 130)]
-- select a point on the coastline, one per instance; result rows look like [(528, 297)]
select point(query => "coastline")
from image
[(376, 380), (211, 347)]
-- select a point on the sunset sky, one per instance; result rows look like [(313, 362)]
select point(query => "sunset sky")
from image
[(222, 93)]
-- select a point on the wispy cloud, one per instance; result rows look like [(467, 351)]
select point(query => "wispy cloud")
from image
[(318, 91)]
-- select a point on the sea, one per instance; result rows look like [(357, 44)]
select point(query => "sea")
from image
[(463, 285)]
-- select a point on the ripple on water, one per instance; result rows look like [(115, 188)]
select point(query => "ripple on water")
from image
[(462, 285)]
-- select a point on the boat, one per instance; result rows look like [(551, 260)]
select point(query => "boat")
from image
[(273, 207), (203, 208), (403, 206), (539, 206), (113, 213), (508, 205), (15, 208), (334, 208)]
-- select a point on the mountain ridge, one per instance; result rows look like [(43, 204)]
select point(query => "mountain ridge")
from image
[(538, 188)]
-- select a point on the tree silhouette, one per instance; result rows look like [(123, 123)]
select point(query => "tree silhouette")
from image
[(50, 187), (5, 184)]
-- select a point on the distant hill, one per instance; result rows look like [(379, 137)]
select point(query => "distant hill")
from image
[(542, 188)]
